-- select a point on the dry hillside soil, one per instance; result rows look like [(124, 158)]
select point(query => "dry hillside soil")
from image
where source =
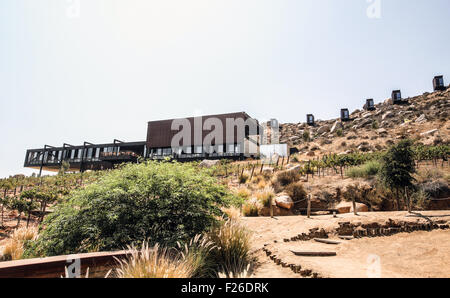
[(415, 254)]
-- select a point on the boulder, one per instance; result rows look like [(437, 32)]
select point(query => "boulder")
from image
[(284, 202), (277, 211), (295, 168), (337, 125), (347, 207), (323, 129), (209, 163), (429, 133), (267, 170), (386, 115), (311, 153)]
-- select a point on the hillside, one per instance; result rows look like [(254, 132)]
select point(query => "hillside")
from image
[(424, 119)]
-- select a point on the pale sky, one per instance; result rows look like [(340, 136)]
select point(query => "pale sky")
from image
[(93, 70)]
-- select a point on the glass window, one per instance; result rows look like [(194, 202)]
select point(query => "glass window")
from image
[(198, 149), (441, 81), (188, 150), (230, 148), (97, 152), (72, 154), (238, 148), (80, 153), (159, 151)]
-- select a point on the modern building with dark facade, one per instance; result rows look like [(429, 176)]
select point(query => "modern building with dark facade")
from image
[(237, 143)]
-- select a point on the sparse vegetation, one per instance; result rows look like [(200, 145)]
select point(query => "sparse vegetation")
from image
[(287, 177), (296, 191), (265, 196), (367, 170), (250, 209), (15, 245)]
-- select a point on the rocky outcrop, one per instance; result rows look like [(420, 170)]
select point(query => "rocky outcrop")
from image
[(347, 207)]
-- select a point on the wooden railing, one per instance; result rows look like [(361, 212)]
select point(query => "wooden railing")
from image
[(99, 263)]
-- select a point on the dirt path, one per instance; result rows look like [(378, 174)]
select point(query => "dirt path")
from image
[(417, 254)]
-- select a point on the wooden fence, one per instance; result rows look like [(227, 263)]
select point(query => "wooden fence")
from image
[(99, 263)]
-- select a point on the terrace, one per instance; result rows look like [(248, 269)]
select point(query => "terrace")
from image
[(85, 157)]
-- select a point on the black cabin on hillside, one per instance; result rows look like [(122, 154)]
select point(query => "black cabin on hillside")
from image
[(438, 83), (310, 119), (370, 105), (345, 115), (397, 97)]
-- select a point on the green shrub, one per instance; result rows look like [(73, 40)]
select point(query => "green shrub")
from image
[(306, 136), (369, 169), (163, 202), (296, 191), (288, 177), (339, 132)]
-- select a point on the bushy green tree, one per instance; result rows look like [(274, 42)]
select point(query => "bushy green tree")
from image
[(397, 168), (160, 202)]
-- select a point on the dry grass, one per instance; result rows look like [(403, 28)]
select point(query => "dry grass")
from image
[(243, 193), (429, 174), (237, 271), (197, 253), (232, 242), (14, 246), (265, 196), (232, 212), (250, 209), (155, 262)]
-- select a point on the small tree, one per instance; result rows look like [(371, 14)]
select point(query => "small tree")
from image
[(20, 205), (397, 169), (6, 185)]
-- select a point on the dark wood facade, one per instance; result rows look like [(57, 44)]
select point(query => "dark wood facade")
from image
[(233, 143)]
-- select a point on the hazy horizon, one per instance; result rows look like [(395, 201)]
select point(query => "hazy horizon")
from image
[(98, 70)]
